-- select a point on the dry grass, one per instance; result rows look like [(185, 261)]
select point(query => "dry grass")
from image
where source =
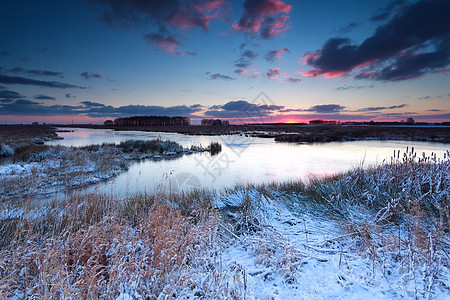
[(398, 214), (17, 135), (96, 246), (90, 247)]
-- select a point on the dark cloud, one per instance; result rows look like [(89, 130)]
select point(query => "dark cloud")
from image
[(26, 81), (439, 116), (414, 42), (32, 108), (378, 108), (275, 54), (195, 106), (391, 8), (168, 43), (433, 97), (91, 109), (434, 110), (249, 54), (161, 15), (353, 87), (241, 105), (293, 80), (69, 96), (176, 13), (7, 94), (411, 65), (36, 72), (266, 18), (326, 108), (4, 53), (245, 61), (220, 76), (44, 73), (242, 109), (92, 104), (17, 70), (349, 27), (43, 97), (130, 110), (88, 75), (407, 114), (273, 72)]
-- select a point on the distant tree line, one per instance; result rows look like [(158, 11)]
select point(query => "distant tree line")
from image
[(215, 122), (323, 122), (149, 121)]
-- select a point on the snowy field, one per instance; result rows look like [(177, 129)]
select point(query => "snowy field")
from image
[(379, 233)]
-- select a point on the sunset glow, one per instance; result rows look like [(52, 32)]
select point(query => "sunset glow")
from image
[(193, 58)]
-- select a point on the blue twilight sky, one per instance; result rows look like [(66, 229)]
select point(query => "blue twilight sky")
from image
[(249, 61)]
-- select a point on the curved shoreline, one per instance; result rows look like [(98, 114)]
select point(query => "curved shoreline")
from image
[(305, 133)]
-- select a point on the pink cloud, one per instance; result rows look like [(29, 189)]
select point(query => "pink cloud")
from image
[(309, 56), (444, 71), (329, 73), (293, 80), (240, 71), (268, 17), (168, 44), (311, 73), (273, 72), (276, 54), (197, 13)]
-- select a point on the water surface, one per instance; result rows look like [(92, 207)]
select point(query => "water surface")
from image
[(243, 159)]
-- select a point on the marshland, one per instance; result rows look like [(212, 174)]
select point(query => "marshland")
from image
[(224, 149), (376, 226)]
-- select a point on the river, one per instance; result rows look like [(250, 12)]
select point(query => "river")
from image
[(242, 160)]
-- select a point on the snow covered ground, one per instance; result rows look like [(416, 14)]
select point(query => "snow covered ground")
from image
[(302, 254), (380, 233)]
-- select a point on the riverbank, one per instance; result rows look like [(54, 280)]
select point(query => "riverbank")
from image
[(370, 233), (40, 169), (306, 133)]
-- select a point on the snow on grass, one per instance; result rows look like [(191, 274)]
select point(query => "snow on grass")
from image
[(41, 169), (6, 150), (380, 233)]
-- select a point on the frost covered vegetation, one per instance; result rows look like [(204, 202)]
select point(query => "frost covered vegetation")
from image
[(36, 168), (379, 233)]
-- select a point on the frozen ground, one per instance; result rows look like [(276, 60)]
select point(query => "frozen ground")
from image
[(301, 254), (380, 233)]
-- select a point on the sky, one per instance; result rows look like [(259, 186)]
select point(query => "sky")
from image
[(86, 61)]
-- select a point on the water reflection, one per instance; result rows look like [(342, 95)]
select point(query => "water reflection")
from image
[(242, 159)]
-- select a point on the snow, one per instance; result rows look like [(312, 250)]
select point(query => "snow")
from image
[(59, 167), (299, 254), (272, 245)]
